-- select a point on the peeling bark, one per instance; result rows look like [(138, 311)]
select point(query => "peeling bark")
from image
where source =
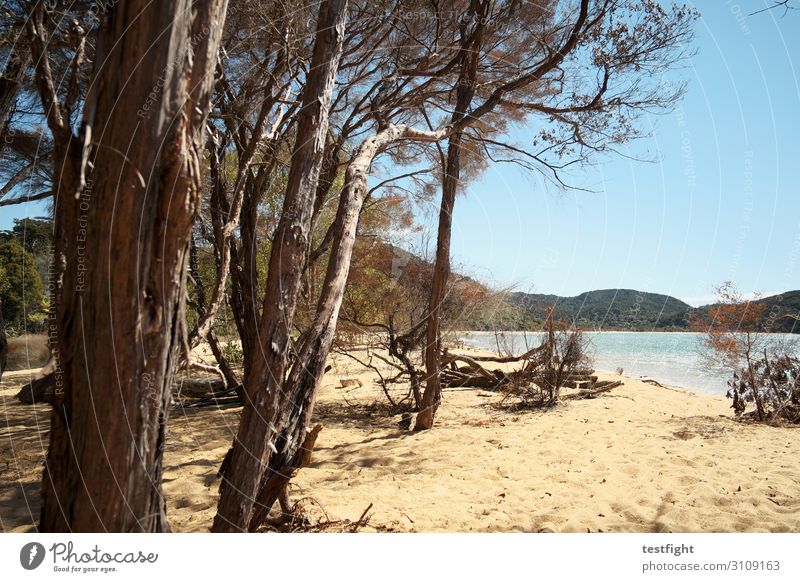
[(126, 233), (265, 401), (301, 387)]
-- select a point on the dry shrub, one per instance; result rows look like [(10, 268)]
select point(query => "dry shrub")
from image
[(773, 382), (27, 352), (561, 359)]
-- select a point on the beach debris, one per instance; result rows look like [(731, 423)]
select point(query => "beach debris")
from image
[(301, 518), (405, 421), (350, 383), (41, 388), (559, 362), (199, 386), (653, 382), (472, 374)]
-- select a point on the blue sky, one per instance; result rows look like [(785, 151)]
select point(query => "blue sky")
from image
[(722, 203)]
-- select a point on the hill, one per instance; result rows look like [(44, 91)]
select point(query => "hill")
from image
[(473, 305), (631, 310), (778, 310), (617, 309)]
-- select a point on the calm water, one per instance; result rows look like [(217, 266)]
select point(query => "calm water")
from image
[(670, 358)]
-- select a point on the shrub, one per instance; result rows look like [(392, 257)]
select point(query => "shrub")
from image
[(772, 382)]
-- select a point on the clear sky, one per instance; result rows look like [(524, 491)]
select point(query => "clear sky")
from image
[(722, 203)]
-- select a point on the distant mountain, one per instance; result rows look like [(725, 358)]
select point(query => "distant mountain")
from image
[(777, 308), (628, 309), (617, 309), (604, 309)]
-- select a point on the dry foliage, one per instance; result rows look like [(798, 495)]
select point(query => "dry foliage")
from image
[(765, 373)]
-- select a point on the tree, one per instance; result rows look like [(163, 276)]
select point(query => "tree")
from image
[(266, 402), (11, 81), (124, 269), (763, 371), (36, 236), (621, 46), (21, 291)]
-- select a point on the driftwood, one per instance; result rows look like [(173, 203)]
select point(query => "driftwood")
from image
[(473, 375), (593, 392), (200, 386), (41, 388), (653, 382), (509, 359), (218, 399)]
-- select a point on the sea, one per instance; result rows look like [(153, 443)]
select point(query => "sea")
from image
[(671, 358)]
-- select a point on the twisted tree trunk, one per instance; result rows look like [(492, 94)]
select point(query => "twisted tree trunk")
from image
[(126, 241), (302, 384), (265, 401)]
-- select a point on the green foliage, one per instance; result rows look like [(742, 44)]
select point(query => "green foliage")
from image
[(620, 309), (232, 350), (36, 236), (21, 289)]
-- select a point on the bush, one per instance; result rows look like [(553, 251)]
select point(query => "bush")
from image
[(771, 382), (764, 370), (21, 289), (27, 351), (232, 350)]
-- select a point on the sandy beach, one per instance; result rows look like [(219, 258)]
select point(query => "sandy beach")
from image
[(640, 458)]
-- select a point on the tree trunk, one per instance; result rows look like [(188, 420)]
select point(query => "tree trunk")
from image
[(441, 273), (126, 243), (307, 371), (231, 380), (265, 401), (300, 388), (465, 90)]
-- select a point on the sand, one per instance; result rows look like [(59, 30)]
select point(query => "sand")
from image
[(638, 459)]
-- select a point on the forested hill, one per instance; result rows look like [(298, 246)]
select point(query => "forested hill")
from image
[(609, 309), (627, 309)]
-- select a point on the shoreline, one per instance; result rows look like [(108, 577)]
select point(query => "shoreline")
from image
[(681, 367), (682, 331), (623, 376), (638, 458)]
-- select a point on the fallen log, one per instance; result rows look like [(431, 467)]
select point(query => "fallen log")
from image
[(199, 386), (508, 359), (41, 388), (218, 399), (592, 393), (474, 381), (473, 375)]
